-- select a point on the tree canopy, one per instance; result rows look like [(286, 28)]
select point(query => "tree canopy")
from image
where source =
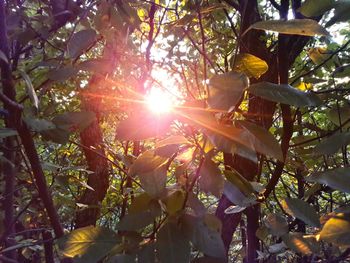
[(204, 131)]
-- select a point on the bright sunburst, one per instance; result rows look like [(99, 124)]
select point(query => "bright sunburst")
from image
[(159, 101)]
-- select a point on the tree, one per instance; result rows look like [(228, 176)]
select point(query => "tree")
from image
[(174, 131)]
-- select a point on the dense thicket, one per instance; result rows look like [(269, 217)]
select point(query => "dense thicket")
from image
[(174, 131)]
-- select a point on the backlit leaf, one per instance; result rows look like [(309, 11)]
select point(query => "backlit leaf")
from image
[(337, 230), (174, 201), (147, 162), (250, 65), (301, 243), (284, 94), (301, 210), (88, 244), (225, 90), (264, 142), (211, 180), (143, 126), (304, 27)]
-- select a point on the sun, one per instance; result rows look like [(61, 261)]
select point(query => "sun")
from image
[(159, 101)]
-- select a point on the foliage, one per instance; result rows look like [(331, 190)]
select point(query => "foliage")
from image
[(256, 138)]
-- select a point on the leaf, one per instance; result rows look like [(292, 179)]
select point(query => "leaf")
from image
[(314, 8), (174, 201), (304, 27), (231, 139), (72, 121), (141, 126), (250, 65), (228, 146), (332, 144), (337, 230), (263, 141), (211, 180), (338, 178), (5, 132), (301, 210), (88, 244), (284, 93), (80, 42), (39, 125), (234, 209), (340, 116), (3, 57), (140, 203), (101, 66), (172, 244), (154, 182), (301, 243), (147, 162), (207, 237), (176, 139), (277, 224), (135, 221), (238, 190), (341, 13), (226, 90), (30, 90), (62, 74)]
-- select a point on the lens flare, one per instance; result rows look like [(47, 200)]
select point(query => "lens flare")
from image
[(159, 101)]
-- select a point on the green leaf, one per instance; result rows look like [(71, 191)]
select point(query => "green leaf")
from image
[(229, 138), (88, 244), (140, 203), (142, 126), (80, 42), (62, 74), (39, 125), (301, 243), (338, 178), (147, 162), (313, 8), (263, 141), (72, 121), (207, 237), (304, 27), (229, 146), (5, 132), (101, 66), (337, 230), (284, 93), (341, 13), (3, 57), (238, 190), (226, 90), (301, 210), (250, 65), (154, 182), (340, 116), (136, 221), (174, 201), (332, 144), (30, 89), (172, 243), (276, 224), (211, 180)]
